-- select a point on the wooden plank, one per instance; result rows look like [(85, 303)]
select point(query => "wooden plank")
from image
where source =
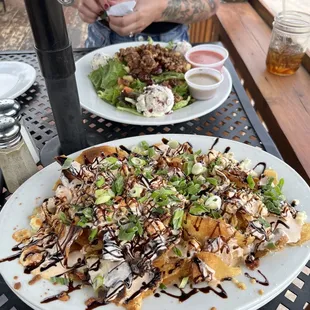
[(284, 102)]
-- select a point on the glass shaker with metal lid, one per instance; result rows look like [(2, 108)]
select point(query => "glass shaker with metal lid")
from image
[(10, 107), (289, 42), (16, 162)]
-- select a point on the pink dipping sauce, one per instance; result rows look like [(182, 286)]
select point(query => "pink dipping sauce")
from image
[(205, 57)]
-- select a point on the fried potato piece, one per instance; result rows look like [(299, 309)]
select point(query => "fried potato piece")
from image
[(305, 234), (221, 269), (202, 228)]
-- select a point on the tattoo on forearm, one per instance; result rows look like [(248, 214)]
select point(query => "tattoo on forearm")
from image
[(188, 11)]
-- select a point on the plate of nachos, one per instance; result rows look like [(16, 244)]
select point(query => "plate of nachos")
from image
[(171, 221)]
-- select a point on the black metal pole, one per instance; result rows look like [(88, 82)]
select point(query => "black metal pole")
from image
[(55, 55)]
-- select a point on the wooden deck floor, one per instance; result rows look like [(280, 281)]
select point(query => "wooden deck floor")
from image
[(15, 32)]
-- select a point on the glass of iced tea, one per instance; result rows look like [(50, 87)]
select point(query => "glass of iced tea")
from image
[(289, 42)]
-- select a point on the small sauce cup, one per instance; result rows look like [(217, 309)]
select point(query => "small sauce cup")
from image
[(210, 51), (200, 91)]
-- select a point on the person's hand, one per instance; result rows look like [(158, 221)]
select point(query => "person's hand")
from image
[(145, 13), (89, 10)]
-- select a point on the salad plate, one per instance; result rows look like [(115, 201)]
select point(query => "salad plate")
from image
[(90, 100), (280, 268)]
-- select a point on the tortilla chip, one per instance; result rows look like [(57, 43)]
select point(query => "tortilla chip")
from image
[(222, 270), (305, 234), (95, 152), (202, 228)]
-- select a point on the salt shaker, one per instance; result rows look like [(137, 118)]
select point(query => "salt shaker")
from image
[(10, 107), (16, 162)]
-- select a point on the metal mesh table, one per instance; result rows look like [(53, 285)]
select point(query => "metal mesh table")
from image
[(235, 119)]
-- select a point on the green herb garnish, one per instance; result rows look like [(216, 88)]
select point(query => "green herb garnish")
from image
[(183, 282), (264, 222), (162, 286)]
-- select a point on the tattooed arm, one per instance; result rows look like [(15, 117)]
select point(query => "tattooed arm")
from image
[(189, 11)]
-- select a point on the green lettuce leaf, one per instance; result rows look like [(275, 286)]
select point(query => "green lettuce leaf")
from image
[(181, 89), (107, 76), (167, 76), (110, 95), (181, 104)]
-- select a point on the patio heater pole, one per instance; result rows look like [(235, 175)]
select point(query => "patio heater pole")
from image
[(55, 55)]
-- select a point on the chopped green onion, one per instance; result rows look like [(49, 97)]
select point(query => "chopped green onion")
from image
[(212, 181), (144, 145), (103, 196), (177, 218), (93, 234), (127, 234), (148, 175), (110, 160), (281, 183), (173, 144), (213, 202), (137, 162), (58, 280), (82, 222), (100, 181), (188, 167), (198, 168), (162, 286), (159, 210), (250, 181), (143, 199), (88, 212), (198, 209), (264, 222), (67, 163), (162, 172), (177, 251), (151, 152), (118, 185), (98, 282), (63, 218), (271, 246), (194, 189), (136, 191), (183, 282)]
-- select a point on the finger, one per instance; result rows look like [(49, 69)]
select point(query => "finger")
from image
[(105, 4), (85, 13), (128, 21), (126, 31), (91, 6), (87, 19)]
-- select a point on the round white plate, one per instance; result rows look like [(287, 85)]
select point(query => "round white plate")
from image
[(91, 102), (15, 78), (280, 268)]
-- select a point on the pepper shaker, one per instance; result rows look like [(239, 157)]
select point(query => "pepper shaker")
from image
[(10, 107), (16, 162)]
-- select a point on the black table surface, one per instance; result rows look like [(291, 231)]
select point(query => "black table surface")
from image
[(235, 119)]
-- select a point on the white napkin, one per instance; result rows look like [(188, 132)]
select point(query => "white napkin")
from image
[(121, 9)]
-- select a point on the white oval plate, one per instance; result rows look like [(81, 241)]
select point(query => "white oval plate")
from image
[(15, 78), (280, 268), (91, 102)]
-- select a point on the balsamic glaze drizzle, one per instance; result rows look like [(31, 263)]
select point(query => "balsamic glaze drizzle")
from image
[(265, 282)]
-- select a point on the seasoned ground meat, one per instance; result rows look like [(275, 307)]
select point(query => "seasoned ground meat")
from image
[(152, 59)]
